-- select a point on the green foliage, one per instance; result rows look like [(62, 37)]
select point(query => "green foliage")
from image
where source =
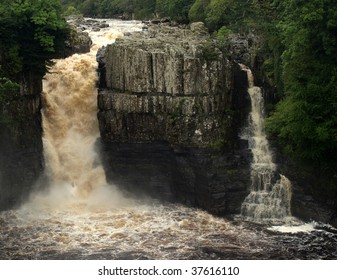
[(209, 51), (218, 14), (139, 9), (305, 121), (142, 9), (71, 10), (198, 11), (31, 32), (8, 90), (175, 9), (235, 15), (223, 32)]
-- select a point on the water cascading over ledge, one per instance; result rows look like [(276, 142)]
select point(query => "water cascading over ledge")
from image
[(269, 198), (70, 128)]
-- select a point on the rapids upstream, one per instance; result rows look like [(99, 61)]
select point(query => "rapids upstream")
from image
[(80, 216)]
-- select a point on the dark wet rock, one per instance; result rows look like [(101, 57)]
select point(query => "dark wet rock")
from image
[(96, 29), (21, 151), (155, 21), (103, 25), (124, 17), (196, 177), (79, 41)]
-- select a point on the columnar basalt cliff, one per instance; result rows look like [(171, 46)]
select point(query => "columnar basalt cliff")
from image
[(169, 115)]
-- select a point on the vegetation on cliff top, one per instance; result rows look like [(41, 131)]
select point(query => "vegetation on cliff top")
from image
[(31, 33)]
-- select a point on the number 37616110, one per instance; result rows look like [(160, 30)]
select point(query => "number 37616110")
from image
[(201, 270)]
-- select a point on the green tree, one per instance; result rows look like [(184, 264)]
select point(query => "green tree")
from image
[(305, 120), (32, 32), (8, 90), (144, 9), (218, 14), (109, 8), (198, 11), (175, 9)]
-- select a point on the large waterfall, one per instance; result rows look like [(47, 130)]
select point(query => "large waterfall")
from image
[(269, 198), (70, 126)]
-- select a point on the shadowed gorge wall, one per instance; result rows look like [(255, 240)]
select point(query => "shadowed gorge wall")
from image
[(21, 151)]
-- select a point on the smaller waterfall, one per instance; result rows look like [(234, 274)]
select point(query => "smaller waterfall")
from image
[(269, 198)]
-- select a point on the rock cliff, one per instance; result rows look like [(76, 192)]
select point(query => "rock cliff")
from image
[(174, 83), (171, 105), (21, 151)]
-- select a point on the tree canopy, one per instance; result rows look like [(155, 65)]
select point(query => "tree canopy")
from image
[(31, 33), (305, 120)]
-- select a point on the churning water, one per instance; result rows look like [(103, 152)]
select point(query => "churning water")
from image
[(80, 216), (151, 230)]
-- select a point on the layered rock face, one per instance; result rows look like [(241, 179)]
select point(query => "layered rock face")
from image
[(21, 151), (165, 81), (169, 116)]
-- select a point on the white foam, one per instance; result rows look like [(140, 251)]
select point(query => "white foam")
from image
[(306, 228)]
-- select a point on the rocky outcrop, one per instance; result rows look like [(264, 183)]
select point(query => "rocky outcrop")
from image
[(170, 109), (78, 41), (309, 203)]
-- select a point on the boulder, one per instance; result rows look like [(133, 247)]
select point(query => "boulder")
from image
[(79, 42)]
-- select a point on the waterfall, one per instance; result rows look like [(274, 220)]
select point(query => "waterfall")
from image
[(70, 126), (69, 117), (269, 198)]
